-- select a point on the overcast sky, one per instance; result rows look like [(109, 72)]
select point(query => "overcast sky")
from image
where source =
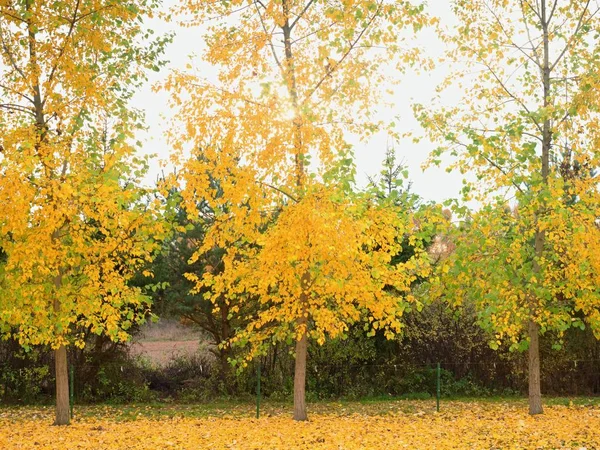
[(432, 184)]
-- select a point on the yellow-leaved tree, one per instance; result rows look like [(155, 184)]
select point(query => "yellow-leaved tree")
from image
[(528, 129), (271, 161), (74, 225)]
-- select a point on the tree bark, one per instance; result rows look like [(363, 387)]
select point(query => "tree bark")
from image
[(300, 376), (535, 393), (535, 389), (63, 412), (302, 322)]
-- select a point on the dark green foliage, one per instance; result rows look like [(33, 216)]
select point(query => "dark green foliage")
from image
[(190, 378), (24, 377), (356, 367), (103, 372)]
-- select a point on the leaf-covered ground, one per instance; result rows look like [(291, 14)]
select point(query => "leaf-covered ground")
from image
[(389, 425)]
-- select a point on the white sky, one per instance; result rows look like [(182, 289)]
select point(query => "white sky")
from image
[(432, 184)]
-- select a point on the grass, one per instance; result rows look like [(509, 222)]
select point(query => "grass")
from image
[(247, 409), (373, 406)]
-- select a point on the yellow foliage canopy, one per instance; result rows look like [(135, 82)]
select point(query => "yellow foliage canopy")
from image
[(74, 227), (342, 243), (271, 161), (528, 128)]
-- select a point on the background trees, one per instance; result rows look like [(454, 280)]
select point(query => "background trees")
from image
[(177, 296), (74, 226), (529, 116)]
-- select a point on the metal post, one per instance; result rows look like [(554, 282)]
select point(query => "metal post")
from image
[(258, 391), (71, 387), (437, 396)]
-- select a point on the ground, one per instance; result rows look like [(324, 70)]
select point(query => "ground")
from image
[(401, 424), (161, 342)]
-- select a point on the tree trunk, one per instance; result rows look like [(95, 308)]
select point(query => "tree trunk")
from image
[(63, 413), (535, 389), (302, 344), (300, 379)]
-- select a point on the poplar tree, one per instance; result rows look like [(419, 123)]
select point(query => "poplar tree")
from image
[(295, 78), (527, 123), (74, 225)]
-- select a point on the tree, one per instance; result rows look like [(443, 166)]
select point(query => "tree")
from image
[(73, 223), (294, 79), (529, 117), (391, 180)]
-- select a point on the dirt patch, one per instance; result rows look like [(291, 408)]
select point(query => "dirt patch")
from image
[(161, 352), (167, 330)]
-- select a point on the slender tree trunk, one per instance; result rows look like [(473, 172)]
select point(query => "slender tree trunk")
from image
[(302, 322), (226, 371), (63, 413), (535, 389), (300, 376)]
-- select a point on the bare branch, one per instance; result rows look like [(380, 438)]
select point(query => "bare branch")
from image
[(314, 32), (512, 43), (12, 15), (11, 57), (503, 171), (65, 43), (574, 35), (12, 90), (306, 8), (552, 12), (225, 91), (235, 11), (511, 95), (534, 10), (345, 55), (281, 191), (498, 167), (530, 39), (19, 108), (262, 22), (487, 130)]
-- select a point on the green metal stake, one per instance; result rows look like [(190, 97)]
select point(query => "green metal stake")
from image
[(437, 396), (71, 387), (258, 392)]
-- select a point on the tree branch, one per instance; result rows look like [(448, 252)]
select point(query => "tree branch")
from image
[(534, 48), (25, 96), (511, 95), (509, 38), (268, 35), (281, 191), (65, 43), (11, 57), (306, 8), (552, 12), (345, 55), (15, 107), (574, 35), (536, 12)]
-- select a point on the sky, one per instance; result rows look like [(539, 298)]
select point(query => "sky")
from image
[(431, 184)]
